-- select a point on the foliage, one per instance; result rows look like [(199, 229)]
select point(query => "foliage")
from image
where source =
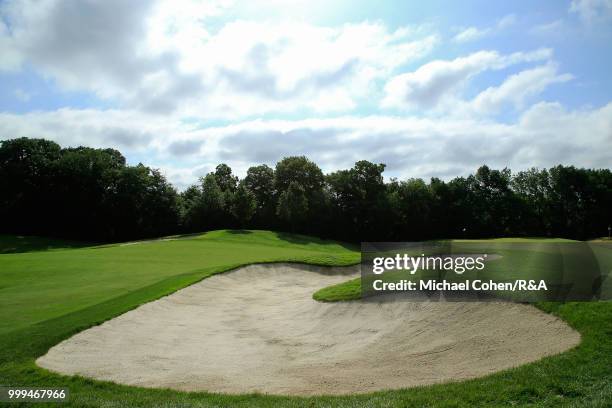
[(293, 205), (260, 181), (243, 205), (93, 194), (81, 193), (299, 170), (225, 179)]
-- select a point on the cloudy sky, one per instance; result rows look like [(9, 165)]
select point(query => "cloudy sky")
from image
[(430, 88)]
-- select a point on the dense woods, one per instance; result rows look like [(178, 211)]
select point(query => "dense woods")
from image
[(92, 194)]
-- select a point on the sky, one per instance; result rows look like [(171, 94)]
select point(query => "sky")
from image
[(429, 88)]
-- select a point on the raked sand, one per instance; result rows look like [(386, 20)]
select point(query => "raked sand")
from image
[(258, 329)]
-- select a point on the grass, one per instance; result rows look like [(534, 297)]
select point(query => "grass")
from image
[(19, 243), (349, 290), (46, 296), (38, 286)]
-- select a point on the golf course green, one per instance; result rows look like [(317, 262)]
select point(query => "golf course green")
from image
[(50, 290)]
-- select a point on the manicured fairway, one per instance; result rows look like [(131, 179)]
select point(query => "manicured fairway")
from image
[(37, 286), (46, 296)]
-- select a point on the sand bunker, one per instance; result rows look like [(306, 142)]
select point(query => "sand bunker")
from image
[(258, 329)]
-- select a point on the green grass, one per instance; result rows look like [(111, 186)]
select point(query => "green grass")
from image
[(47, 296), (18, 243), (38, 286), (349, 290)]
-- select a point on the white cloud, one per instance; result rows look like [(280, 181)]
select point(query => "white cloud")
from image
[(11, 58), (548, 28), (506, 21), (430, 84), (517, 88), (474, 33), (470, 34), (163, 57), (171, 68), (127, 130), (592, 11), (545, 135)]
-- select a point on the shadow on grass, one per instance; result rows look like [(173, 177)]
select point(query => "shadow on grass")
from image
[(239, 232), (306, 240), (11, 244)]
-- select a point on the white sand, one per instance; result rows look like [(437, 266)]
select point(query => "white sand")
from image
[(258, 329)]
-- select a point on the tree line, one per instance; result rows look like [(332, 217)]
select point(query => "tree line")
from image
[(93, 194)]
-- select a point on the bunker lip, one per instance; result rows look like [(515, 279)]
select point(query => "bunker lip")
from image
[(257, 329)]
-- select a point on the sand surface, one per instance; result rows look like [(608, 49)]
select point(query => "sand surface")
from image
[(258, 329)]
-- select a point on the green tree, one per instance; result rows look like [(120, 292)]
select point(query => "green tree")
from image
[(260, 181), (300, 170), (83, 182), (226, 181), (191, 217), (571, 199), (293, 205), (533, 190), (493, 203), (204, 206), (309, 177), (140, 203), (212, 196), (26, 176), (357, 196), (243, 205), (410, 202)]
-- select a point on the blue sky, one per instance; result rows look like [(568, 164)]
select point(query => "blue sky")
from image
[(429, 88)]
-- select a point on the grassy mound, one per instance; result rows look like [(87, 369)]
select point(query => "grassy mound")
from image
[(42, 285), (349, 290)]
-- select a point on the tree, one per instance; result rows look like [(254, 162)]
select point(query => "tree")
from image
[(410, 201), (26, 172), (293, 205), (82, 181), (212, 204), (358, 197), (139, 202), (243, 205), (300, 170), (309, 177), (191, 216), (226, 181), (461, 208), (94, 194), (260, 181), (533, 190), (161, 205), (440, 218), (492, 201), (570, 201)]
